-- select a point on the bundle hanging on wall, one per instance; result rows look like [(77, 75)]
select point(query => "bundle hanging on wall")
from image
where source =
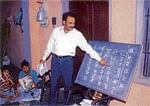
[(42, 16), (18, 19)]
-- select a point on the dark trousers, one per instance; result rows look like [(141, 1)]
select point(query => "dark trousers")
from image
[(61, 66)]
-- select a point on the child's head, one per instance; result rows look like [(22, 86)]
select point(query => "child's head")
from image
[(5, 71), (25, 66)]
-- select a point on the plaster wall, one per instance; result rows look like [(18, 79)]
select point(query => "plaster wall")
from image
[(123, 21), (39, 36), (123, 29), (15, 39)]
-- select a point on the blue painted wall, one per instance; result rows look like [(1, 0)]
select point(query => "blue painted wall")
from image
[(26, 31)]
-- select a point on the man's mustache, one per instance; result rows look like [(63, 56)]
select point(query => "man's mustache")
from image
[(71, 27)]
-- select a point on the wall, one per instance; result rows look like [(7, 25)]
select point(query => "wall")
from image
[(15, 40), (140, 35), (139, 95), (26, 32), (29, 45), (123, 21), (123, 29), (38, 35)]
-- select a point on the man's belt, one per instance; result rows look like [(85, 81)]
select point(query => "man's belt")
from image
[(61, 57)]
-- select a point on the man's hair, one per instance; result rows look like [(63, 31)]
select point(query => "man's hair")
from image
[(66, 14), (24, 63)]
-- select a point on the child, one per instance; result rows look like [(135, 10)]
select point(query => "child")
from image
[(8, 91), (28, 78)]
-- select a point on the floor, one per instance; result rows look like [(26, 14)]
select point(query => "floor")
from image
[(78, 94), (76, 98), (45, 100)]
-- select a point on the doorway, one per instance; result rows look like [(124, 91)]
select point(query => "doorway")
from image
[(92, 19)]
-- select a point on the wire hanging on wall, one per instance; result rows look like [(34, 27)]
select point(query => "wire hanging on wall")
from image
[(42, 16)]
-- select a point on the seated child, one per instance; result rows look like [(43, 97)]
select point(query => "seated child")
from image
[(28, 78), (8, 90)]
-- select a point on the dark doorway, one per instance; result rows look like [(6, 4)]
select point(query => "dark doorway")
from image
[(92, 20)]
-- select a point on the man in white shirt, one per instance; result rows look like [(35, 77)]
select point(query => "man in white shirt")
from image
[(62, 45)]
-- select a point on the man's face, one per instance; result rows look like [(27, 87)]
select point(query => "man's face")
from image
[(25, 69), (69, 24)]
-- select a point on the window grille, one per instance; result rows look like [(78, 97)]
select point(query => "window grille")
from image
[(146, 68)]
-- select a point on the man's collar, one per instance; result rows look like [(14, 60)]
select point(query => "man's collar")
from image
[(62, 29)]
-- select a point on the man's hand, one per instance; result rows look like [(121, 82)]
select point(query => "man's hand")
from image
[(42, 61), (34, 86), (103, 62)]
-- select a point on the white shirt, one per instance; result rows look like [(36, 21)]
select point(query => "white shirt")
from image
[(64, 44)]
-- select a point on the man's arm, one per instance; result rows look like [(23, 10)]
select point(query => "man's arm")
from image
[(89, 50)]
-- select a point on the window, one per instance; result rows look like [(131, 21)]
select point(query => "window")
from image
[(146, 49), (142, 74)]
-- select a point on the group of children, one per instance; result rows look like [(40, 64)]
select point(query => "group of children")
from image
[(28, 79)]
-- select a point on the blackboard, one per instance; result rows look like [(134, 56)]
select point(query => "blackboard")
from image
[(114, 80)]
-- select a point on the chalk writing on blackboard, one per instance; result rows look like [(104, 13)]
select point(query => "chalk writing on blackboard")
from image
[(114, 80)]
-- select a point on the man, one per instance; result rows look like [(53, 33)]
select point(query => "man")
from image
[(62, 45)]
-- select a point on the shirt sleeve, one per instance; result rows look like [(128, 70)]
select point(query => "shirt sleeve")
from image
[(21, 74), (82, 43), (34, 76), (49, 47)]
